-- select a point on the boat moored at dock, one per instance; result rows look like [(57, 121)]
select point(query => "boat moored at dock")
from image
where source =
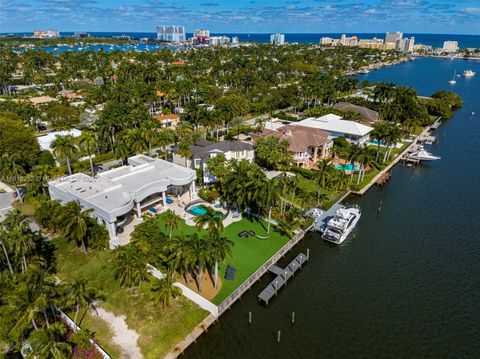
[(341, 224), (421, 154)]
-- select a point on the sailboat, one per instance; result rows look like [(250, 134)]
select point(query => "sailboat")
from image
[(453, 81)]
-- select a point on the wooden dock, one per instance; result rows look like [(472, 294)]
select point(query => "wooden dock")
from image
[(282, 276), (383, 178)]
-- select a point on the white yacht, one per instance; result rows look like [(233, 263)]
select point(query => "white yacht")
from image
[(423, 155), (468, 73), (453, 81), (341, 224)]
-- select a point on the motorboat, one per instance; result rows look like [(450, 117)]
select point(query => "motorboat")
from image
[(468, 73), (453, 81), (341, 224), (422, 154)]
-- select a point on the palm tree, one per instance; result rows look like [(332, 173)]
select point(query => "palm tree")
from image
[(366, 159), (10, 169), (198, 252), (148, 131), (392, 136), (22, 243), (135, 140), (122, 151), (64, 148), (81, 295), (164, 291), (164, 138), (172, 221), (237, 123), (49, 343), (322, 176), (353, 154), (378, 134), (129, 266), (88, 143), (14, 219), (220, 248), (272, 194), (3, 237), (184, 150), (182, 261), (212, 219), (75, 222)]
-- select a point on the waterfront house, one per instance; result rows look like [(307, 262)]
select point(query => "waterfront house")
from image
[(203, 150), (119, 196), (369, 116), (307, 145), (336, 126)]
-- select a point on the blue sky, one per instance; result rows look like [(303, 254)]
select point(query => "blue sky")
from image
[(246, 16)]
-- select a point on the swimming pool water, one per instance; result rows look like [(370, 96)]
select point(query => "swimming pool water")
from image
[(197, 210), (345, 167)]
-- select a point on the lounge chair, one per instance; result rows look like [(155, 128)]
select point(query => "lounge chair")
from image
[(252, 233), (244, 234)]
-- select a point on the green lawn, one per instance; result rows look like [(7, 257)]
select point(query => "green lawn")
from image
[(159, 329), (248, 253), (308, 185)]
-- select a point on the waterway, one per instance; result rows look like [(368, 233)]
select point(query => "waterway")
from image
[(408, 284)]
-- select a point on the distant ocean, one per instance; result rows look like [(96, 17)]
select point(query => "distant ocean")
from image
[(435, 40)]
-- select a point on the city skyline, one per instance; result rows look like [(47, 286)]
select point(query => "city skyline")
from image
[(374, 16)]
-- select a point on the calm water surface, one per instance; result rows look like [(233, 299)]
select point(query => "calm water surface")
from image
[(408, 284)]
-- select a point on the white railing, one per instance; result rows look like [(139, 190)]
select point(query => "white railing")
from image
[(75, 328), (260, 272), (227, 302)]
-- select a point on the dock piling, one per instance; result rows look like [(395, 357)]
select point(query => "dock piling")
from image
[(308, 254), (293, 317), (279, 334), (249, 317)]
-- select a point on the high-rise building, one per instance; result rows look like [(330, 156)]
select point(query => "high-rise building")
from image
[(235, 40), (393, 38), (201, 33), (405, 45), (171, 33), (450, 46), (277, 39), (43, 34), (343, 40)]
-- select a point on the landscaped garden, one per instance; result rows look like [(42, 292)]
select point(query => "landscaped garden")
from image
[(248, 254)]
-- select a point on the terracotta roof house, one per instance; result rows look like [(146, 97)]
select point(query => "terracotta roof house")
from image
[(170, 120), (307, 145), (368, 115)]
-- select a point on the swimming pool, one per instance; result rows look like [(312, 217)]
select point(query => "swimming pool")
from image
[(200, 210), (346, 167), (197, 210)]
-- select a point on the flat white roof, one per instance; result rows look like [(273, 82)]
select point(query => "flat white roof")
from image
[(46, 140), (333, 123), (114, 191)]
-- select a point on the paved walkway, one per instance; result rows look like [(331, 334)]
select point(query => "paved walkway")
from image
[(125, 338)]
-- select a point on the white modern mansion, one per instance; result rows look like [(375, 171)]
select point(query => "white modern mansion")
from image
[(118, 196), (353, 132)]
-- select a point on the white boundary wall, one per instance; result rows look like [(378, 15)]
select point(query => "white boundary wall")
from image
[(75, 328), (187, 292)]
